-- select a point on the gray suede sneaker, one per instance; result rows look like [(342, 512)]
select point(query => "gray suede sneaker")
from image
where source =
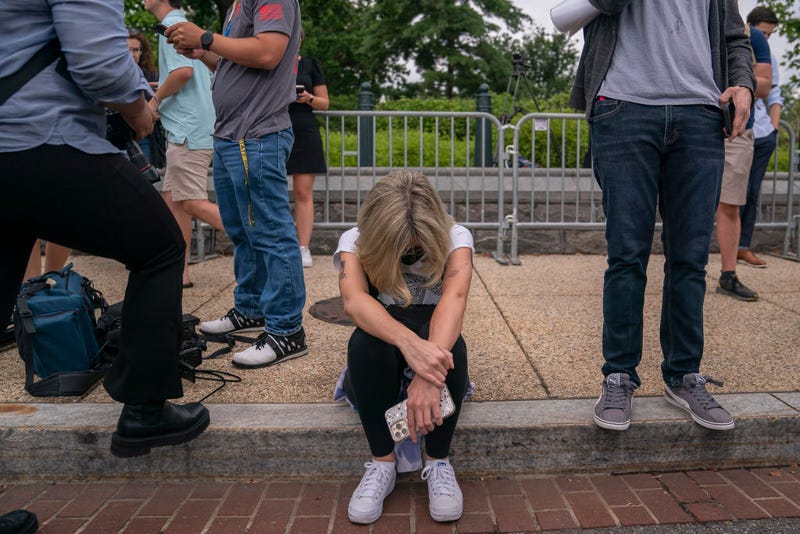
[(612, 410), (693, 397)]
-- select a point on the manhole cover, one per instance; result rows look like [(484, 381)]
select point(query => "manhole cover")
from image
[(331, 310)]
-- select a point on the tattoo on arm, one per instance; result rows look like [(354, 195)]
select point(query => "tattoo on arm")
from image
[(342, 276)]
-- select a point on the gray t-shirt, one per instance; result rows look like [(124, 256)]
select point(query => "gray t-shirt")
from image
[(663, 55), (251, 103)]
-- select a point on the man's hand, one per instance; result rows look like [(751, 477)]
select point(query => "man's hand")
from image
[(184, 35), (742, 99), (423, 407), (141, 120)]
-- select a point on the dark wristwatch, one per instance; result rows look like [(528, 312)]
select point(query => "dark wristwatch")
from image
[(206, 39)]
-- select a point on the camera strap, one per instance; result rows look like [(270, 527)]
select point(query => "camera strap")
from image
[(37, 63)]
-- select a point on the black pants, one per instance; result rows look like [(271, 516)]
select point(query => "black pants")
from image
[(374, 373), (101, 205)]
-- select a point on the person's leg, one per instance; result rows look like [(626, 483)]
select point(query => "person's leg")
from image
[(762, 153), (273, 236), (55, 257), (733, 193), (437, 442), (375, 369), (233, 201), (114, 213), (689, 195), (728, 234), (34, 267), (184, 221), (626, 146), (303, 185), (206, 211)]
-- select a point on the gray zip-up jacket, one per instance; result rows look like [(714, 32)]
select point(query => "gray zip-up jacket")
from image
[(731, 56)]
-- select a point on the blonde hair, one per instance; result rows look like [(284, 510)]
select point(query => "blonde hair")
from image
[(402, 211)]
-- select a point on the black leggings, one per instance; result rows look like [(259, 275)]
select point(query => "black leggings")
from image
[(373, 382), (101, 205)]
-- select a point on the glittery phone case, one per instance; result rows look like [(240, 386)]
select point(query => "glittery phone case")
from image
[(397, 415)]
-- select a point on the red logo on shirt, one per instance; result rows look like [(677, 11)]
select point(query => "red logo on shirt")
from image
[(270, 12)]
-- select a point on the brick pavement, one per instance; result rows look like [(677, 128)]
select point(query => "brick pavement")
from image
[(523, 504)]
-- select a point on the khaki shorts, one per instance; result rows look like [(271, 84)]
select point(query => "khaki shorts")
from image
[(738, 159), (186, 175)]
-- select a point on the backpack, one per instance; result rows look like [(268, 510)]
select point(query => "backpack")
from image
[(54, 325)]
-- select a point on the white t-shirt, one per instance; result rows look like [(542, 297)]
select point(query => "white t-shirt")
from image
[(460, 237)]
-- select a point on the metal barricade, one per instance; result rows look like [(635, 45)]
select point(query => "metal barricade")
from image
[(555, 189), (440, 145)]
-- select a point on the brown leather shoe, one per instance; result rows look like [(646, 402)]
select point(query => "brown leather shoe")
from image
[(746, 257)]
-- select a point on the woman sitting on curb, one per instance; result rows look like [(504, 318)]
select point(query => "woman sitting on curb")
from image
[(404, 276)]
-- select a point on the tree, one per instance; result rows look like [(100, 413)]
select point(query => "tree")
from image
[(446, 39), (788, 12)]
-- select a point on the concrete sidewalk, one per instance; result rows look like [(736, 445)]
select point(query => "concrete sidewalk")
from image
[(533, 333)]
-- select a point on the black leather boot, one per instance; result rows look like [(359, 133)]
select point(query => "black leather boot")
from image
[(18, 522), (144, 426)]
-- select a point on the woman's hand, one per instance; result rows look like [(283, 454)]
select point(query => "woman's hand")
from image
[(428, 360), (423, 407)]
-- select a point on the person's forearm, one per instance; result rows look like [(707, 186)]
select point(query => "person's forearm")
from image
[(370, 316), (775, 115), (174, 82), (447, 321), (253, 52)]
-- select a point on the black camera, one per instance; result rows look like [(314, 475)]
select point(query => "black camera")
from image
[(122, 136), (518, 58)]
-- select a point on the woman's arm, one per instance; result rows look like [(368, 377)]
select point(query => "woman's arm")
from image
[(448, 317), (446, 323), (318, 101), (427, 359)]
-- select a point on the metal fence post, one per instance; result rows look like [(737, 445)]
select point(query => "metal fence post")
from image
[(483, 129), (366, 128)]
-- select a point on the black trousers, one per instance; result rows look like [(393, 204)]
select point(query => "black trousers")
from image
[(374, 372), (101, 205)]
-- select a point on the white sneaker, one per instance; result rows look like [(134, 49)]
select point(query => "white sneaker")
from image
[(445, 500), (230, 323), (306, 255), (366, 504), (270, 349)]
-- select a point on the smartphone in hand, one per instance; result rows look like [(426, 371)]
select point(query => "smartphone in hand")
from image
[(160, 28), (299, 89), (728, 113)]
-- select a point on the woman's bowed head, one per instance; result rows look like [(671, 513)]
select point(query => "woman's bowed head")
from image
[(402, 220)]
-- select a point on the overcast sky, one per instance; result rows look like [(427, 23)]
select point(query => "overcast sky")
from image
[(539, 11)]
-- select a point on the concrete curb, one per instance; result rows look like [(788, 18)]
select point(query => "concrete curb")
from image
[(71, 441)]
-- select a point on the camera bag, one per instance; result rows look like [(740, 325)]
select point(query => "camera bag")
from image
[(54, 325)]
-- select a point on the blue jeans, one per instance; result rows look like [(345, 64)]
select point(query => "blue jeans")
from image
[(762, 152), (670, 158), (254, 207)]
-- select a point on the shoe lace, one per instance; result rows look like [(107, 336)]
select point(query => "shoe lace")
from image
[(701, 395), (374, 481), (441, 479), (617, 394), (261, 341)]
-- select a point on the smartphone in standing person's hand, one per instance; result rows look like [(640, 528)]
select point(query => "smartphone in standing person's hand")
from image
[(728, 113), (160, 28)]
